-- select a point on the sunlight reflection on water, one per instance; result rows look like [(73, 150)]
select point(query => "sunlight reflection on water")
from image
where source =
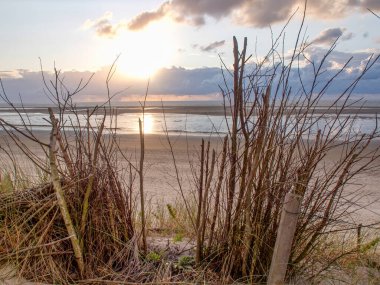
[(175, 123), (157, 123)]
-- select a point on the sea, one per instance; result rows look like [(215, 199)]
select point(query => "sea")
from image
[(196, 118)]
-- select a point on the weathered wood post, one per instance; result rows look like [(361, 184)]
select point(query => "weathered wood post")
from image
[(284, 241), (65, 212), (141, 176), (359, 237)]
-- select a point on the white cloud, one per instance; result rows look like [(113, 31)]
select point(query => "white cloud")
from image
[(10, 74), (103, 26)]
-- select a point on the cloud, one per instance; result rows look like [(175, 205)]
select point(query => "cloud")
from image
[(370, 4), (329, 36), (143, 19), (256, 13), (368, 85), (199, 81), (263, 13), (103, 26), (192, 12), (347, 36), (175, 81), (213, 46), (191, 84), (10, 74)]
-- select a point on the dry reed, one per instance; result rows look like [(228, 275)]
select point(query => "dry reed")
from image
[(277, 142)]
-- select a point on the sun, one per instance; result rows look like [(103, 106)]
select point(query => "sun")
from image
[(146, 51), (147, 123)]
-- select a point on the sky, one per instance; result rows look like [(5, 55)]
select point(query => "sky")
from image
[(177, 45)]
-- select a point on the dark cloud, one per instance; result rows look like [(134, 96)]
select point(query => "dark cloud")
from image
[(213, 46), (260, 13), (329, 36), (168, 81), (198, 81), (336, 60), (327, 9), (197, 21), (263, 13), (182, 82), (140, 21), (187, 11), (29, 85), (213, 8), (256, 13), (370, 4)]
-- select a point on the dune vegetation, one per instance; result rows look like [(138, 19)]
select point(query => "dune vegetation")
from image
[(85, 218)]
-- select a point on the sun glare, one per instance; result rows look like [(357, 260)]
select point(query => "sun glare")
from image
[(144, 52), (148, 124)]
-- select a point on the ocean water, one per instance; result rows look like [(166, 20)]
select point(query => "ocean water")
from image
[(128, 123), (175, 123)]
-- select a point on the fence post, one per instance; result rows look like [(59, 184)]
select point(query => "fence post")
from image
[(284, 240), (359, 237)]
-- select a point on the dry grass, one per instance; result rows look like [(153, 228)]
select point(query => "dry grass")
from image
[(82, 224), (341, 259), (79, 225), (277, 142)]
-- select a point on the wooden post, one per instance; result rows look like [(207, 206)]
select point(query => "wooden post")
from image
[(199, 246), (359, 237), (284, 241), (141, 176), (116, 113), (61, 197)]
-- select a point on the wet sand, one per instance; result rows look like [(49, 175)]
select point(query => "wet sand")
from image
[(211, 110)]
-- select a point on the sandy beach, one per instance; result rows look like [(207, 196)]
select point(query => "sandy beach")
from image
[(160, 180), (161, 183)]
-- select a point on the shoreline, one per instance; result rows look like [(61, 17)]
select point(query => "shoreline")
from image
[(196, 110)]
